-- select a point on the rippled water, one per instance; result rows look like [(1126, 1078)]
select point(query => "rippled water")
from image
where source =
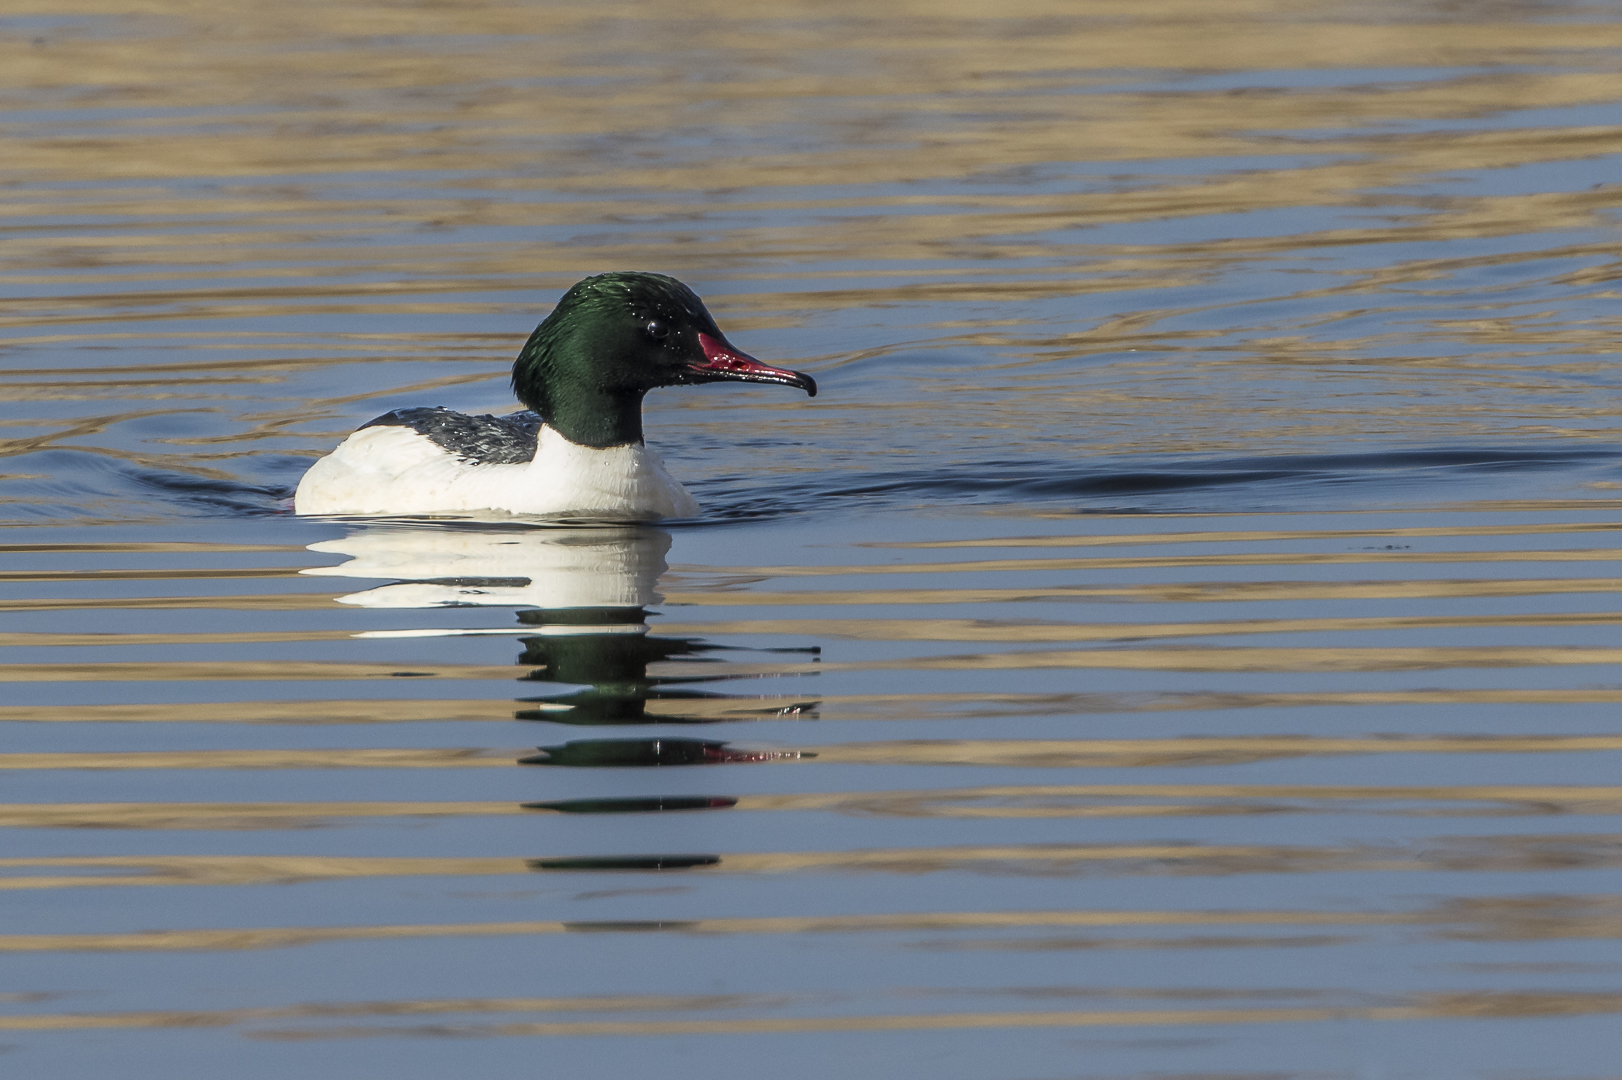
[(1180, 641)]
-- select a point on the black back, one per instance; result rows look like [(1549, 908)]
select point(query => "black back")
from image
[(483, 440)]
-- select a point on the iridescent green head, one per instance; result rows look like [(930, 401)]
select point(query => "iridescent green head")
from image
[(614, 337)]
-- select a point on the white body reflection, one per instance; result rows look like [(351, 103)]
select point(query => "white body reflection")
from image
[(549, 568), (582, 595)]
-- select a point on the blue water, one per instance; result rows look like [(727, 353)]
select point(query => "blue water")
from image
[(1178, 641)]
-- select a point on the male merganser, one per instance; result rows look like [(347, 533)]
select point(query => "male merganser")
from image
[(577, 451)]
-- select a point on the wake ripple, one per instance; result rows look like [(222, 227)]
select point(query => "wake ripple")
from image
[(1106, 486)]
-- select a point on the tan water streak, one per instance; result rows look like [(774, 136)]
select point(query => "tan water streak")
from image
[(252, 670), (374, 758), (1245, 558), (1210, 659), (292, 937), (1011, 631), (231, 816), (264, 602), (1487, 918), (149, 575), (1051, 753), (239, 869), (1202, 751), (364, 711), (1090, 800), (1437, 1006), (227, 637), (1226, 659), (1255, 536), (1180, 592), (1033, 800), (1498, 854), (1471, 853), (1462, 1005), (880, 707), (188, 547), (877, 707), (905, 629), (225, 1017)]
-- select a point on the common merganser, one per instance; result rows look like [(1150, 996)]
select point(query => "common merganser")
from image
[(577, 450)]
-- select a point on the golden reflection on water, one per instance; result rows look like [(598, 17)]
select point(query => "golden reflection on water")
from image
[(1476, 919), (460, 758), (1024, 801), (1494, 854), (1421, 1007), (1229, 659), (911, 629), (1048, 753), (290, 937), (478, 567), (1101, 239), (912, 706), (467, 133), (210, 671), (1159, 561)]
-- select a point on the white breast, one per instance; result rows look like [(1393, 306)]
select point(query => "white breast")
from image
[(394, 470)]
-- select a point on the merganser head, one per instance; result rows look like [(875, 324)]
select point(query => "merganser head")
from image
[(614, 337)]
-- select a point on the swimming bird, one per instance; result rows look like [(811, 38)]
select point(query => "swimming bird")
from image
[(577, 450)]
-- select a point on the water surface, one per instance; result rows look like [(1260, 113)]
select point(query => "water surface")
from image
[(1180, 640)]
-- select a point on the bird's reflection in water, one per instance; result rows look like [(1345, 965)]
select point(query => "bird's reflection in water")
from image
[(606, 652), (583, 595)]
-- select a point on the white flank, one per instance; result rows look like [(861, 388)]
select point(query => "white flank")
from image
[(394, 470)]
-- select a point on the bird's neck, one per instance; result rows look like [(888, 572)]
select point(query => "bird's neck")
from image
[(593, 417)]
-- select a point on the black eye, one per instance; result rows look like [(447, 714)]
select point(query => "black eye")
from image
[(657, 330)]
